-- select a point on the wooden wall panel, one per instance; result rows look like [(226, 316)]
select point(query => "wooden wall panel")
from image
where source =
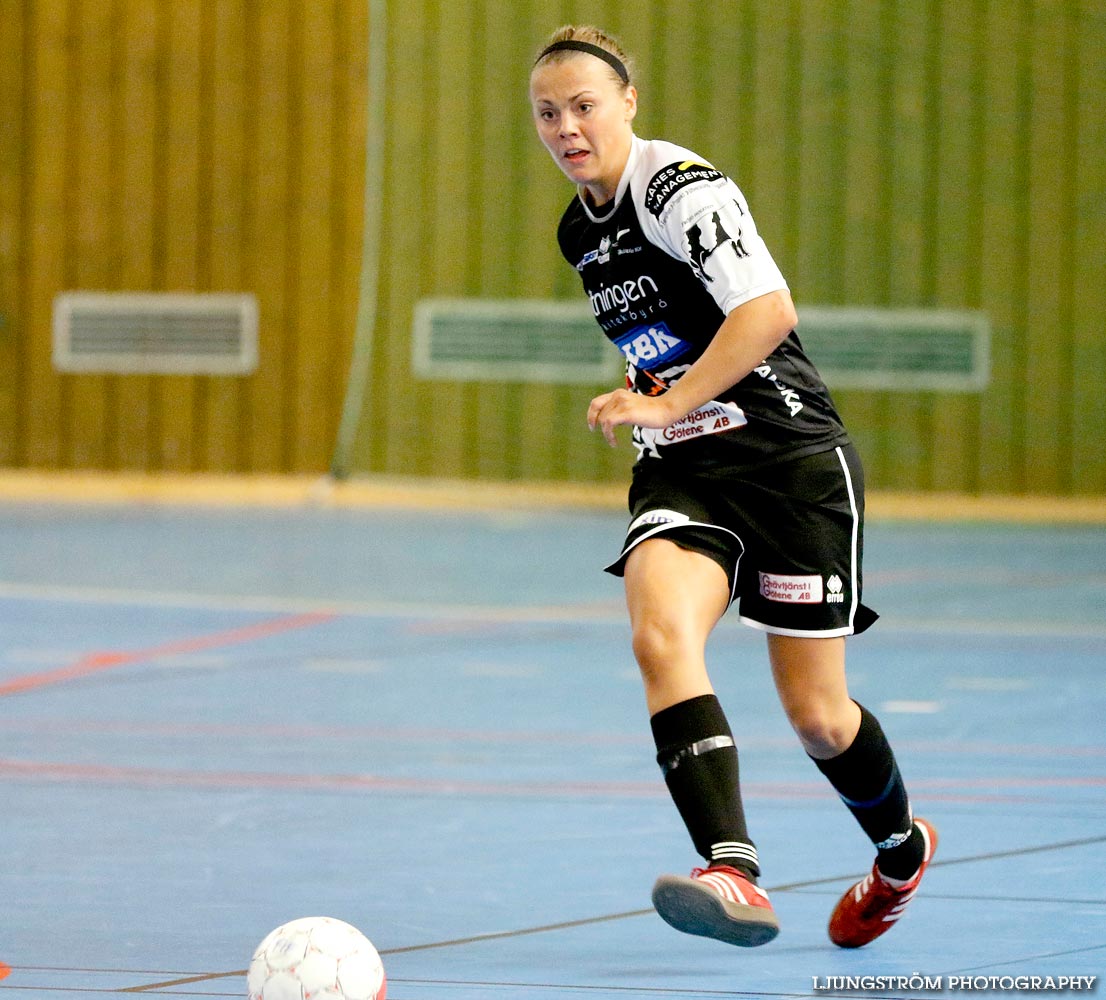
[(392, 430), (1047, 235), (532, 269), (198, 145), (864, 123), (906, 437), (819, 155), (451, 218), (222, 420), (894, 152), (314, 181), (49, 140), (269, 247), (1003, 261), (183, 119), (954, 229), (14, 176), (1086, 419), (772, 130), (133, 398), (491, 443), (91, 230)]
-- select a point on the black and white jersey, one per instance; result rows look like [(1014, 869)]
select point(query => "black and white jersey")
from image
[(677, 251)]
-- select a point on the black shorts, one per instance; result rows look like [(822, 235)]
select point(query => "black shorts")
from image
[(790, 537)]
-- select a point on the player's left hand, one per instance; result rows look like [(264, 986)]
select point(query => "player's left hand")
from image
[(624, 407)]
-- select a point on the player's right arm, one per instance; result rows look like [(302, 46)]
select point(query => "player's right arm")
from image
[(749, 333)]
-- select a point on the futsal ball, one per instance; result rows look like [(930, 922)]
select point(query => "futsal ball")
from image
[(316, 957)]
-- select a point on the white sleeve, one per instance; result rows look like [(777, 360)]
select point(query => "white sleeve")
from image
[(698, 215)]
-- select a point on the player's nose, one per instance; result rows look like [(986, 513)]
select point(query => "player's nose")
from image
[(568, 125)]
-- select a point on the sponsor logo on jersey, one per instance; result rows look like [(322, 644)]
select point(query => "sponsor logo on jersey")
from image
[(606, 246), (705, 239), (651, 346), (670, 181), (790, 397), (710, 418), (621, 297), (791, 589), (834, 588)]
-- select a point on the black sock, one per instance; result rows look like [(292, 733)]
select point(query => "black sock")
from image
[(696, 753), (868, 781)]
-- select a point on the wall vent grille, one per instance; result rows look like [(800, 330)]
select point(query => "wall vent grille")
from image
[(172, 333), (523, 340)]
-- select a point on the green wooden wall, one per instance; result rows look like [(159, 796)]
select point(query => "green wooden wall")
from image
[(932, 153), (923, 153)]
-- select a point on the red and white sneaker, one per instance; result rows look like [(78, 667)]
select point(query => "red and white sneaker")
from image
[(717, 902), (872, 906)]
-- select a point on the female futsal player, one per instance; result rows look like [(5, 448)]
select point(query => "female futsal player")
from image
[(746, 489)]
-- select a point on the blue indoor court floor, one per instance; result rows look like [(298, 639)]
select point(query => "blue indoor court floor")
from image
[(428, 723)]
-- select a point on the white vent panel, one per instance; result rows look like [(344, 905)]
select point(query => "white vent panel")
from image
[(172, 333)]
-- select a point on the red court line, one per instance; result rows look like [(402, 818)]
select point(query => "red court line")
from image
[(285, 732), (94, 663)]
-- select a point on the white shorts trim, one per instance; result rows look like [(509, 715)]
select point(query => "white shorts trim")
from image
[(660, 529), (854, 542), (830, 633)]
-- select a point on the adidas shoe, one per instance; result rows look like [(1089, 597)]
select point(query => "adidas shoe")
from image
[(717, 902), (871, 907)]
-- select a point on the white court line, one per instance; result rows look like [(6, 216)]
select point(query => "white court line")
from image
[(593, 613), (912, 707), (601, 612)]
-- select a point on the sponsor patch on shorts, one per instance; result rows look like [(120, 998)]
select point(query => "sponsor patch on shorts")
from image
[(655, 518), (791, 589)]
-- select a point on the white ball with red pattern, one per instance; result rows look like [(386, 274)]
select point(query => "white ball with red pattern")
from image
[(316, 958)]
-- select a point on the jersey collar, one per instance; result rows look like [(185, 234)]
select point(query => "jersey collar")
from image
[(636, 147)]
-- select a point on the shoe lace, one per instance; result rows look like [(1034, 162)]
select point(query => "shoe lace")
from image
[(876, 894), (720, 869)]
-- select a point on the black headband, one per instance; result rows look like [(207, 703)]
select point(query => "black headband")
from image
[(572, 45)]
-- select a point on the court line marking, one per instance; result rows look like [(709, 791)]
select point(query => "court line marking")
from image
[(94, 663), (418, 734), (602, 612), (12, 769), (597, 612), (1032, 958), (986, 898), (610, 917)]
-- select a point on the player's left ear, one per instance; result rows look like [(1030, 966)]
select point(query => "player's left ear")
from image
[(631, 103)]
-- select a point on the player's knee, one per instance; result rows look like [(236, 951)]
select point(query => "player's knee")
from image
[(650, 641), (823, 733), (658, 642)]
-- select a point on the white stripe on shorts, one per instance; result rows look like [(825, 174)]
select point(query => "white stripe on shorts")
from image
[(854, 569)]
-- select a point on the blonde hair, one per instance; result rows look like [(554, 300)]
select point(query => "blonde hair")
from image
[(593, 36)]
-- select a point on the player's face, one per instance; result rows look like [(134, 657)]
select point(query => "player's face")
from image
[(584, 117)]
